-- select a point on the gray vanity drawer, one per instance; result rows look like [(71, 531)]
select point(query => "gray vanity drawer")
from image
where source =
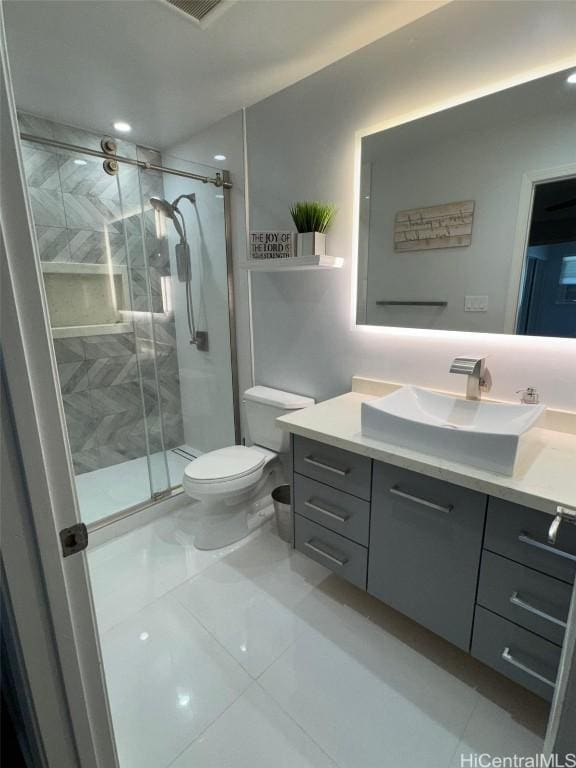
[(341, 555), (425, 548), (527, 597), (515, 652), (520, 533), (333, 466), (338, 511)]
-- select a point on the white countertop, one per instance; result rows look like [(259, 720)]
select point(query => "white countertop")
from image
[(544, 477)]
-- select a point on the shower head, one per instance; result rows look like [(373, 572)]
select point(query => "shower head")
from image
[(163, 206)]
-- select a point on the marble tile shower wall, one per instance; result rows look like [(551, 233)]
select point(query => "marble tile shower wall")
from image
[(121, 391)]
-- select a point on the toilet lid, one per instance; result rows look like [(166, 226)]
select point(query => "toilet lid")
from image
[(224, 464)]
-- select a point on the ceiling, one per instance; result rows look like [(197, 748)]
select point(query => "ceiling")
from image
[(91, 62)]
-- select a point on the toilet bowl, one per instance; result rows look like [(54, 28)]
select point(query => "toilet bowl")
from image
[(227, 474), (233, 484)]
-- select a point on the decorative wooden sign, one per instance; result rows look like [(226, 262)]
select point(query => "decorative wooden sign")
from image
[(272, 245), (438, 226)]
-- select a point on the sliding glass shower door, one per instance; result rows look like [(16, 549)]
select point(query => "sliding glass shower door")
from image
[(103, 268), (137, 273)]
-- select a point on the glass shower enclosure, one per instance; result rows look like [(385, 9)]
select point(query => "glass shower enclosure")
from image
[(140, 400)]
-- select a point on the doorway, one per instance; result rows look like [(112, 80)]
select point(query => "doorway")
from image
[(548, 306)]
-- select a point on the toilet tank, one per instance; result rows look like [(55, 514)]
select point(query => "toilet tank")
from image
[(262, 406)]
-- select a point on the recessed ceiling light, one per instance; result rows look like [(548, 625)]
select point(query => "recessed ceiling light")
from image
[(184, 699), (219, 157), (80, 162), (122, 127), (571, 78)]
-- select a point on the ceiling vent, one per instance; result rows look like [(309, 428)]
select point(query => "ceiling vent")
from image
[(200, 11)]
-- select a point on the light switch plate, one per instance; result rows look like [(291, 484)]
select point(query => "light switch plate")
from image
[(476, 304)]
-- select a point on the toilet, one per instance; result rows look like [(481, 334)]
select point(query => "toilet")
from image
[(233, 484)]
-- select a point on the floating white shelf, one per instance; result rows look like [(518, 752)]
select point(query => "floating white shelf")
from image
[(294, 263)]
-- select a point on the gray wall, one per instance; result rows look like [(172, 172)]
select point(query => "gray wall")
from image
[(301, 146), (116, 409)]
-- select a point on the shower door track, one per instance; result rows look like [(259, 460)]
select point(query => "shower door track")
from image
[(217, 180), (172, 494)]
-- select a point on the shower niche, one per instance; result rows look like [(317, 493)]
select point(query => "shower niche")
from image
[(86, 299)]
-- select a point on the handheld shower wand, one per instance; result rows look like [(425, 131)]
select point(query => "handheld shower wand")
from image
[(183, 263), (172, 212)]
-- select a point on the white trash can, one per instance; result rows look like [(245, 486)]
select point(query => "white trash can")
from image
[(283, 513)]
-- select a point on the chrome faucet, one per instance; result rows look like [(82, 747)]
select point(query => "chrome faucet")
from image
[(474, 368)]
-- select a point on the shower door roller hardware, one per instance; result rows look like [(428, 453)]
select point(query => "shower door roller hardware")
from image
[(110, 146), (73, 539), (111, 167), (562, 513)]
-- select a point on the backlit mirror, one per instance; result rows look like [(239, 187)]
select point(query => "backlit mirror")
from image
[(467, 217)]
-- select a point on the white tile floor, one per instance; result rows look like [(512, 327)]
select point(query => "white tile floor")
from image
[(256, 657), (104, 492)]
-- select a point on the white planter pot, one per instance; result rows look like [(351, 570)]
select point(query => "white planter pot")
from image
[(311, 244)]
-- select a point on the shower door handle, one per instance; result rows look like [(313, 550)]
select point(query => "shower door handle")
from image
[(73, 539)]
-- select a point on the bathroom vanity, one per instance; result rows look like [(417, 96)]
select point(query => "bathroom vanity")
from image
[(462, 551)]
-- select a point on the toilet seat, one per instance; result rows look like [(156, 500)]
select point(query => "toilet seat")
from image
[(224, 464), (224, 470)]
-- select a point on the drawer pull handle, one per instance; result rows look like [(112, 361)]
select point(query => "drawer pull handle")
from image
[(509, 659), (424, 502), (516, 600), (317, 508), (526, 539), (553, 530), (320, 551), (322, 465)]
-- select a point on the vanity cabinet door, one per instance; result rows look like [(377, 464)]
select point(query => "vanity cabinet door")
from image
[(425, 548)]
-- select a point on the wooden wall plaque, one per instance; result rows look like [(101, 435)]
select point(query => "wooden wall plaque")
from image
[(437, 226)]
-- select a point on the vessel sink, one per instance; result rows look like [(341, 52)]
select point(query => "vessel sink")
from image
[(479, 433)]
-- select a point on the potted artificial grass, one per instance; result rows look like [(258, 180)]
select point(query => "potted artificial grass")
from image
[(312, 219)]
